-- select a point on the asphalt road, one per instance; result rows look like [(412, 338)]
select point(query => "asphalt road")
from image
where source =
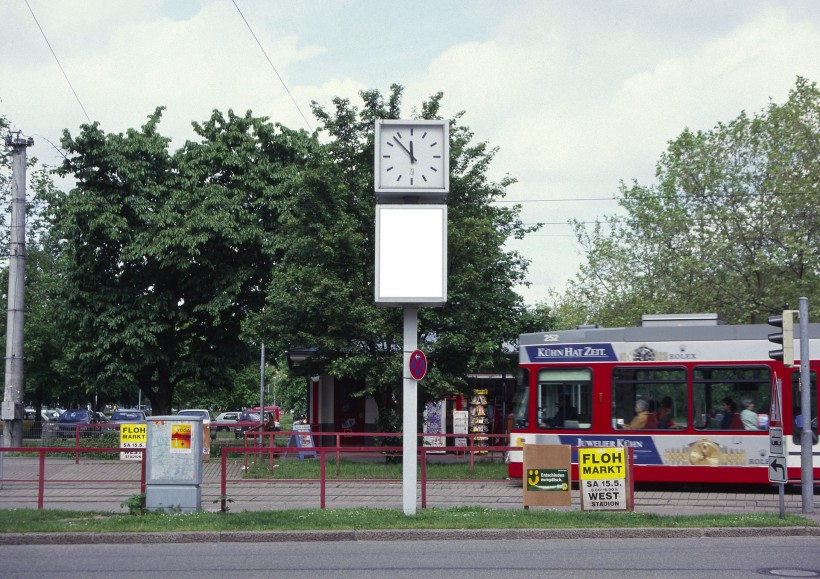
[(703, 557)]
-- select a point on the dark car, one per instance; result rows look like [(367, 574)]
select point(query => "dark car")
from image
[(68, 421), (121, 416)]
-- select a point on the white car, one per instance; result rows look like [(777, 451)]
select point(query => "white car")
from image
[(224, 420), (228, 417)]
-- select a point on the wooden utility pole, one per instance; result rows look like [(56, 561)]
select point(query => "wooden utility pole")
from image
[(12, 408)]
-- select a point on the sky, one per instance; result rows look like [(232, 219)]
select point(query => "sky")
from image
[(577, 95)]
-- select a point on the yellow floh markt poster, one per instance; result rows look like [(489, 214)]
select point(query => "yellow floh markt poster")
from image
[(181, 438)]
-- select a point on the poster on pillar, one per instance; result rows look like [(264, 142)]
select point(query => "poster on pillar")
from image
[(411, 255), (435, 423)]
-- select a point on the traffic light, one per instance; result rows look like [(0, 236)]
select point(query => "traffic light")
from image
[(784, 338)]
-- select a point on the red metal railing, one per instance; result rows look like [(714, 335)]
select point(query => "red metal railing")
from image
[(41, 471), (270, 448), (322, 451)]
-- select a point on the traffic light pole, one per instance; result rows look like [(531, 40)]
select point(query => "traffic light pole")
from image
[(806, 461)]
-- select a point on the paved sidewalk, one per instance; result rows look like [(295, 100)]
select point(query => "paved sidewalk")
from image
[(105, 485)]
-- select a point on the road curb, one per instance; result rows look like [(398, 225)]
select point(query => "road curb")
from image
[(60, 538)]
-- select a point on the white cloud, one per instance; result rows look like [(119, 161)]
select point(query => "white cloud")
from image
[(577, 95)]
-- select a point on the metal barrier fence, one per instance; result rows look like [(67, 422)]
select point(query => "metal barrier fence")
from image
[(265, 443), (41, 472), (265, 439), (322, 453)]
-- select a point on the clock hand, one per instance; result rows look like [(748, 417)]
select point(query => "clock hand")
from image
[(412, 158), (406, 150)]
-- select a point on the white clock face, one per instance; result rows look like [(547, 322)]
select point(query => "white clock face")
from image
[(411, 155)]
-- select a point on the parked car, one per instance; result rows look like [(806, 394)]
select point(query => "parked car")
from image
[(224, 422), (249, 420), (51, 414), (205, 415), (68, 421), (46, 414), (121, 416)]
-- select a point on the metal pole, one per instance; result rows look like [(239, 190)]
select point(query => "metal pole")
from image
[(806, 460), (262, 396), (13, 395), (410, 402)]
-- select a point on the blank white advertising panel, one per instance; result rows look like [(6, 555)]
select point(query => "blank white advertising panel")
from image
[(411, 255)]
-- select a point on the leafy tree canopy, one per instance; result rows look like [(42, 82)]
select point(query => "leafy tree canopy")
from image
[(731, 226), (167, 270), (169, 253), (322, 293)]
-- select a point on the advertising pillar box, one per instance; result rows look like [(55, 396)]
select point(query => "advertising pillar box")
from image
[(173, 470), (547, 475)]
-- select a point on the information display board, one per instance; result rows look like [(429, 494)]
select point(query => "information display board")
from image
[(461, 420), (411, 255), (174, 451), (302, 439)]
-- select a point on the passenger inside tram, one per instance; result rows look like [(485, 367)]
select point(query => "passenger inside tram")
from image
[(564, 413), (748, 416), (639, 422), (666, 418)]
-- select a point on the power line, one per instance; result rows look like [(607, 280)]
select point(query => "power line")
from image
[(572, 199), (76, 96), (272, 66)]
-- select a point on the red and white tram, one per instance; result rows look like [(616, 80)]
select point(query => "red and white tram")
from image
[(690, 395)]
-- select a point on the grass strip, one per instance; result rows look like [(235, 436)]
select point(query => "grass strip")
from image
[(59, 521)]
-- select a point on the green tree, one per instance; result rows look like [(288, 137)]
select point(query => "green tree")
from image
[(322, 295), (167, 254), (731, 226)]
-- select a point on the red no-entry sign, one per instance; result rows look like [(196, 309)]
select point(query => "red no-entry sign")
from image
[(418, 364)]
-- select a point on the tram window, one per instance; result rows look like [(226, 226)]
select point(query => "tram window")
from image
[(521, 402), (564, 398), (797, 412), (731, 397), (649, 398)]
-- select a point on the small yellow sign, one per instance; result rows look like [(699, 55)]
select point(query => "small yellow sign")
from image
[(601, 463), (132, 436), (133, 433)]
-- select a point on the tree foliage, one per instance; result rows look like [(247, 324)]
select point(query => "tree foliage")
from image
[(169, 253), (322, 294), (731, 226), (167, 270)]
